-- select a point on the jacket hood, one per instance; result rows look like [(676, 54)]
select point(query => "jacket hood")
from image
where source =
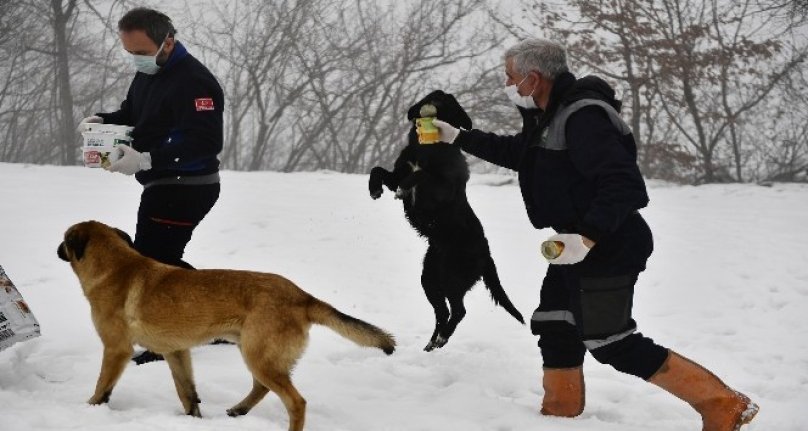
[(592, 87)]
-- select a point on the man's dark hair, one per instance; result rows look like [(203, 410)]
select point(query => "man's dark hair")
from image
[(156, 24)]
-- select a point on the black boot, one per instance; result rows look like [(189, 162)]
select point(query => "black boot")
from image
[(147, 356)]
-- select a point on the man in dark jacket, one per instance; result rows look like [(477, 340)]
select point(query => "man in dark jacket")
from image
[(578, 175), (175, 106)]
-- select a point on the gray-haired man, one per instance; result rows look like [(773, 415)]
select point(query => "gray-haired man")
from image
[(578, 175)]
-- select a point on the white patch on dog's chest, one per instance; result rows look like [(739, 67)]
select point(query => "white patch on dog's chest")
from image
[(415, 168)]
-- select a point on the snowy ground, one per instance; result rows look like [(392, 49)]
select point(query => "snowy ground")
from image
[(727, 286)]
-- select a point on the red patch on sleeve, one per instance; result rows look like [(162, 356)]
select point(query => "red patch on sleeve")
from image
[(204, 104)]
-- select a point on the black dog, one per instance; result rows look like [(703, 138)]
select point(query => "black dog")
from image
[(431, 182)]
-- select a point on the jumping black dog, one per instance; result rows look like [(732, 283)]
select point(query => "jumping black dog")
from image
[(431, 182)]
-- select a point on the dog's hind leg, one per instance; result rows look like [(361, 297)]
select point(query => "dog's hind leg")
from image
[(180, 364), (271, 347), (257, 393), (116, 356), (431, 282), (458, 310), (281, 384), (438, 302)]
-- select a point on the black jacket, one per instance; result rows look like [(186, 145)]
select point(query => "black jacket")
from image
[(591, 187), (177, 117)]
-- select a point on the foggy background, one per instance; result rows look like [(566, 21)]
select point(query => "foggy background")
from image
[(715, 91)]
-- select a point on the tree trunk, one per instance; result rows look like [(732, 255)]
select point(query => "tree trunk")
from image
[(66, 133)]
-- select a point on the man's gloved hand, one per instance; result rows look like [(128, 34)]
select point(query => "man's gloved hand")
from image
[(92, 119), (448, 133), (574, 248), (131, 161)]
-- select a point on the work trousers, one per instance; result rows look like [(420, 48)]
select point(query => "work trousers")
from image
[(588, 307), (167, 217)]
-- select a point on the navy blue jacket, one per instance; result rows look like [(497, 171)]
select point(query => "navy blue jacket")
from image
[(177, 117), (591, 187)]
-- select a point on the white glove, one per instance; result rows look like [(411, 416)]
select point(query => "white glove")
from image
[(448, 133), (131, 161), (574, 249), (92, 119)]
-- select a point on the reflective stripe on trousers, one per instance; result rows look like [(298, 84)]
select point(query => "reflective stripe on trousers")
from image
[(567, 316)]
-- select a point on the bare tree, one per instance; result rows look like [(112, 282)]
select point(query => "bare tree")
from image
[(615, 40), (704, 64), (780, 134), (709, 72), (325, 84), (256, 40), (63, 13), (51, 66), (301, 98), (15, 120)]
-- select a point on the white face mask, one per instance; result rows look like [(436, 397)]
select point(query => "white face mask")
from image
[(527, 102), (147, 63)]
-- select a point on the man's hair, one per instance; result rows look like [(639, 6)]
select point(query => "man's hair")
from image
[(156, 24), (544, 56)]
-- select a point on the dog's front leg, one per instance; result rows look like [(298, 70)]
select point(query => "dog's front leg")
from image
[(180, 364), (407, 185), (115, 359), (380, 176), (377, 178)]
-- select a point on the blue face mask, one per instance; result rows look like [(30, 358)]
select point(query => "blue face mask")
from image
[(148, 63)]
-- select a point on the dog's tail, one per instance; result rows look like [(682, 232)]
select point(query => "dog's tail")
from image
[(358, 331), (492, 283)]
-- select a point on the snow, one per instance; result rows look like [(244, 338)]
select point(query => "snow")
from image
[(726, 286)]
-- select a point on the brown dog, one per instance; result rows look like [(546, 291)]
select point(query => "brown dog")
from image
[(168, 310)]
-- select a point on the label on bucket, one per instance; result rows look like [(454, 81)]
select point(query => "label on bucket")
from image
[(101, 157), (92, 158), (101, 142), (93, 142)]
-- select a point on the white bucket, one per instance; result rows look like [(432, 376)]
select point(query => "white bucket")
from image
[(100, 142)]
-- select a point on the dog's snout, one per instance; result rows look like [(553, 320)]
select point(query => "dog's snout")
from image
[(60, 251)]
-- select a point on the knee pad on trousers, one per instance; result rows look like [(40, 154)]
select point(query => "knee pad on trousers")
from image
[(635, 354)]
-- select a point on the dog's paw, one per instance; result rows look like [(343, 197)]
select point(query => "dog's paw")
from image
[(435, 343), (376, 194), (96, 400), (237, 411), (194, 411)]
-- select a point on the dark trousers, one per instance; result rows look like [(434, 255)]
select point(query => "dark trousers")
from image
[(588, 306), (167, 217)]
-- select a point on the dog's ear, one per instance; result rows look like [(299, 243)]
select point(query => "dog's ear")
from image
[(125, 236), (453, 113), (75, 243)]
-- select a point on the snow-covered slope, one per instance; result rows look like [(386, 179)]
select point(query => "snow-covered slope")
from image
[(727, 286)]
